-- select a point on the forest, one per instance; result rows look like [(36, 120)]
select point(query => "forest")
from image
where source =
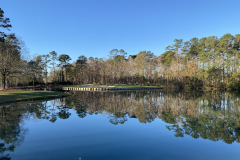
[(199, 63)]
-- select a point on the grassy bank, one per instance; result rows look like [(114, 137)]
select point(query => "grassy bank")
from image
[(15, 96), (105, 86)]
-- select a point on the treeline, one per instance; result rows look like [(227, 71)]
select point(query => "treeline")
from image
[(197, 63)]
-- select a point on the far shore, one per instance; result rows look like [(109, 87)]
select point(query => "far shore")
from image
[(108, 86)]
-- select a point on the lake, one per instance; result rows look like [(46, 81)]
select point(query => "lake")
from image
[(136, 125)]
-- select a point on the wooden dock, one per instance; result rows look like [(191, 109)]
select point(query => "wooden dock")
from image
[(109, 89)]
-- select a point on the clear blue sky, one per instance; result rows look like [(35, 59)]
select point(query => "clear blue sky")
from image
[(94, 27)]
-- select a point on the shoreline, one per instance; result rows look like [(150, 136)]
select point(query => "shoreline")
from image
[(7, 97), (92, 87)]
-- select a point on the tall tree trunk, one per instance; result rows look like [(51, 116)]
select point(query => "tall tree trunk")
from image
[(66, 74), (33, 83), (4, 81)]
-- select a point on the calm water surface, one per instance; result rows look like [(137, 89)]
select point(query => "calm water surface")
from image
[(144, 125)]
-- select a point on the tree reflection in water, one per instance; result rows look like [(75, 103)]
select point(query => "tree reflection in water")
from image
[(12, 131), (214, 116)]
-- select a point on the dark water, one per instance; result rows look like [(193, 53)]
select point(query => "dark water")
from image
[(145, 125)]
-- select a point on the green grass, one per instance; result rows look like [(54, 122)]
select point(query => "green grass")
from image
[(105, 86), (130, 86), (14, 96), (78, 86)]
